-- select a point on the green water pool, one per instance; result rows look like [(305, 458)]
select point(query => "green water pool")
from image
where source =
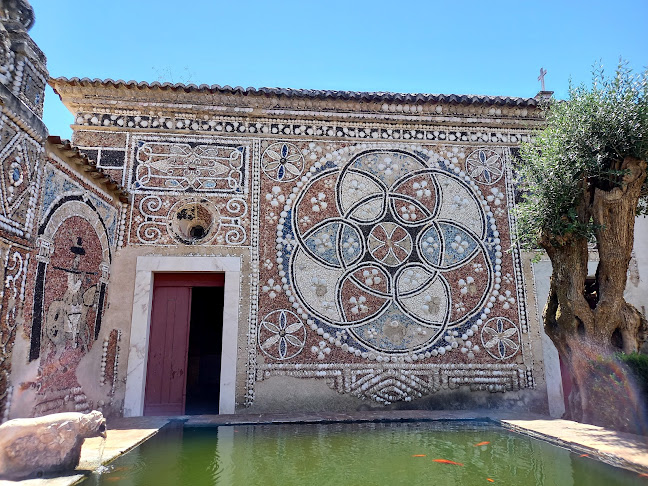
[(340, 454)]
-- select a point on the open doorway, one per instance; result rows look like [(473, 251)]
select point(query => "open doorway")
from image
[(185, 344), (204, 353)]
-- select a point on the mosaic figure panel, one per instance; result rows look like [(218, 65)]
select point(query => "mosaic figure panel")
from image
[(69, 298), (391, 255)]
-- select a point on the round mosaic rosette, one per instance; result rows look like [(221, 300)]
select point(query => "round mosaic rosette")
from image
[(390, 251)]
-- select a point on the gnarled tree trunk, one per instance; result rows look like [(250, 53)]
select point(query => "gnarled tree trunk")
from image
[(587, 324)]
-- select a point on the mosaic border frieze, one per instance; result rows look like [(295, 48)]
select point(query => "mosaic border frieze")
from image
[(251, 358), (358, 131), (392, 382)]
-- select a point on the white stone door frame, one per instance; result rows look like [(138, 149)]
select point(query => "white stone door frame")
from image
[(146, 267)]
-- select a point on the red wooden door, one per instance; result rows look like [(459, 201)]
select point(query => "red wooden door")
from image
[(166, 372), (167, 358)]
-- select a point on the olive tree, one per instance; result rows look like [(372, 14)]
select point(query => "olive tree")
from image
[(584, 181)]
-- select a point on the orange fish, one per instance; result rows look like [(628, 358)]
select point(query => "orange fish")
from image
[(482, 443), (418, 455), (643, 475), (447, 461), (584, 455), (490, 480)]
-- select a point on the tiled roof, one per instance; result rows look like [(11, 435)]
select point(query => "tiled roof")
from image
[(309, 93), (89, 166)]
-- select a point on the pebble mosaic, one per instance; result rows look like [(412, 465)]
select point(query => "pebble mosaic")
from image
[(20, 165), (379, 237), (76, 238), (390, 255)]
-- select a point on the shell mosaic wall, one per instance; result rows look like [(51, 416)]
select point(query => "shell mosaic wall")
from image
[(22, 136), (389, 274), (59, 220), (381, 255), (373, 233), (76, 241)]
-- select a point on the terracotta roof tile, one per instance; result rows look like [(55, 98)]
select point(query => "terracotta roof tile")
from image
[(308, 93)]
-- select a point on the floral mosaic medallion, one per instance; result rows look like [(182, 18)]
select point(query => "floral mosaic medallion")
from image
[(485, 166), (282, 162), (391, 254), (282, 335), (500, 337)]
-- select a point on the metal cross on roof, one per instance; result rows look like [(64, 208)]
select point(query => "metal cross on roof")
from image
[(541, 77)]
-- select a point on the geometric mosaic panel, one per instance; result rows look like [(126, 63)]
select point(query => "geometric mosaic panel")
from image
[(20, 158), (387, 254), (189, 166), (393, 258)]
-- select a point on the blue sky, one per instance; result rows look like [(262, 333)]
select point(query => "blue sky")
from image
[(469, 47)]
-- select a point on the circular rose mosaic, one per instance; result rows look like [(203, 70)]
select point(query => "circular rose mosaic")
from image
[(500, 337), (390, 250)]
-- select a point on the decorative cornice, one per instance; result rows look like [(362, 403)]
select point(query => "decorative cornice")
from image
[(176, 100), (363, 130)]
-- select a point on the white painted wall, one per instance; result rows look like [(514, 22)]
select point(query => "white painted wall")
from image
[(637, 287), (553, 377)]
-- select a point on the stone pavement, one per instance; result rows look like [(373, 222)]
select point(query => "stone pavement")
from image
[(616, 448)]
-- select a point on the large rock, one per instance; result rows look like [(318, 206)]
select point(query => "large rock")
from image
[(44, 445)]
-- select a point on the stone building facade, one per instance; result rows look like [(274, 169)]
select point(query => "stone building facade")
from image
[(365, 239), (207, 248), (58, 224)]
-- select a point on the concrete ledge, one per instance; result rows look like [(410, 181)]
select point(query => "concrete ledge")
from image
[(618, 449), (123, 435), (331, 417)]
